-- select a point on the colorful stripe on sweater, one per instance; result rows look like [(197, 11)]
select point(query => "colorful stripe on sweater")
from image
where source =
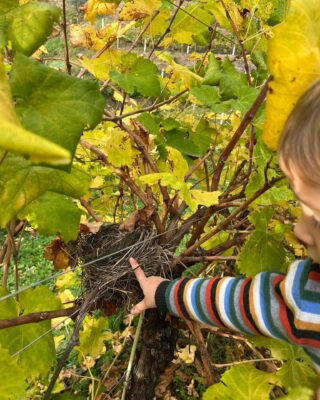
[(285, 307)]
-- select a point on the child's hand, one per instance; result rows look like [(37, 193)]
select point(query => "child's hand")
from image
[(148, 285)]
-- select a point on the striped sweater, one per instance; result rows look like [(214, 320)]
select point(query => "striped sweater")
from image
[(285, 307)]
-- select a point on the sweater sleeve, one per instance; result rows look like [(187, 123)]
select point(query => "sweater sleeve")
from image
[(285, 307)]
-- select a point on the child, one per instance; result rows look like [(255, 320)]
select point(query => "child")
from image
[(285, 307)]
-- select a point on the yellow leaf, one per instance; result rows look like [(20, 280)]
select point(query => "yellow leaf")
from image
[(294, 62), (219, 12), (138, 9), (101, 66), (98, 7), (85, 36), (96, 182), (93, 335), (179, 72), (156, 26), (187, 354), (58, 339), (118, 148), (179, 165), (204, 198), (15, 138)]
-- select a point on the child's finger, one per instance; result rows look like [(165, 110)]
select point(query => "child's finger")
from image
[(137, 270), (138, 308)]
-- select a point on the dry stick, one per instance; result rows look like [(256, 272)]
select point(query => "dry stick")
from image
[(168, 28), (144, 151), (208, 48), (222, 159), (208, 258), (96, 55), (249, 115), (227, 220), (235, 30), (143, 31), (37, 317), (146, 109), (126, 178), (87, 206), (211, 375), (243, 362), (73, 342), (66, 47)]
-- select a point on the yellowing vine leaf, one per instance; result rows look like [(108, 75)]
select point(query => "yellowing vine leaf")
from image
[(98, 7), (219, 13), (118, 148), (21, 183), (15, 338), (294, 62), (180, 73), (85, 36), (138, 9), (242, 382), (101, 66), (15, 138), (93, 335), (178, 163), (13, 383)]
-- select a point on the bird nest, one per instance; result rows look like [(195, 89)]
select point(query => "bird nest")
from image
[(106, 270)]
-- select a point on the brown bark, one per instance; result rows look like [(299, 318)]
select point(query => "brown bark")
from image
[(154, 355)]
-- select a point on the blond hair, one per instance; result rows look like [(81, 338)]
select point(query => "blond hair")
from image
[(299, 144)]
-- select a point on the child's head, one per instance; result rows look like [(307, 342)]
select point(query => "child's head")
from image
[(299, 157)]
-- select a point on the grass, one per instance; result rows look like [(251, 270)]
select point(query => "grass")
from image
[(32, 265)]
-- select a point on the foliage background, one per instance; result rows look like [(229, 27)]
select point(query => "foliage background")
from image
[(107, 108)]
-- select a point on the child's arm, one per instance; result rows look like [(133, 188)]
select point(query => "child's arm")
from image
[(285, 307)]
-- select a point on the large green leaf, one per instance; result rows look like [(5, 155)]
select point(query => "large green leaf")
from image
[(16, 139), (242, 382), (13, 383), (137, 73), (21, 183), (54, 105), (28, 25), (296, 370), (54, 213), (263, 250), (16, 338)]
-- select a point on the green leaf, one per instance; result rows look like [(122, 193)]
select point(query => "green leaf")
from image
[(21, 183), (261, 218), (52, 214), (299, 393), (53, 105), (242, 382), (30, 24), (16, 338), (16, 139), (295, 373), (13, 383), (7, 5), (93, 335), (137, 73), (296, 370), (206, 94), (263, 250)]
